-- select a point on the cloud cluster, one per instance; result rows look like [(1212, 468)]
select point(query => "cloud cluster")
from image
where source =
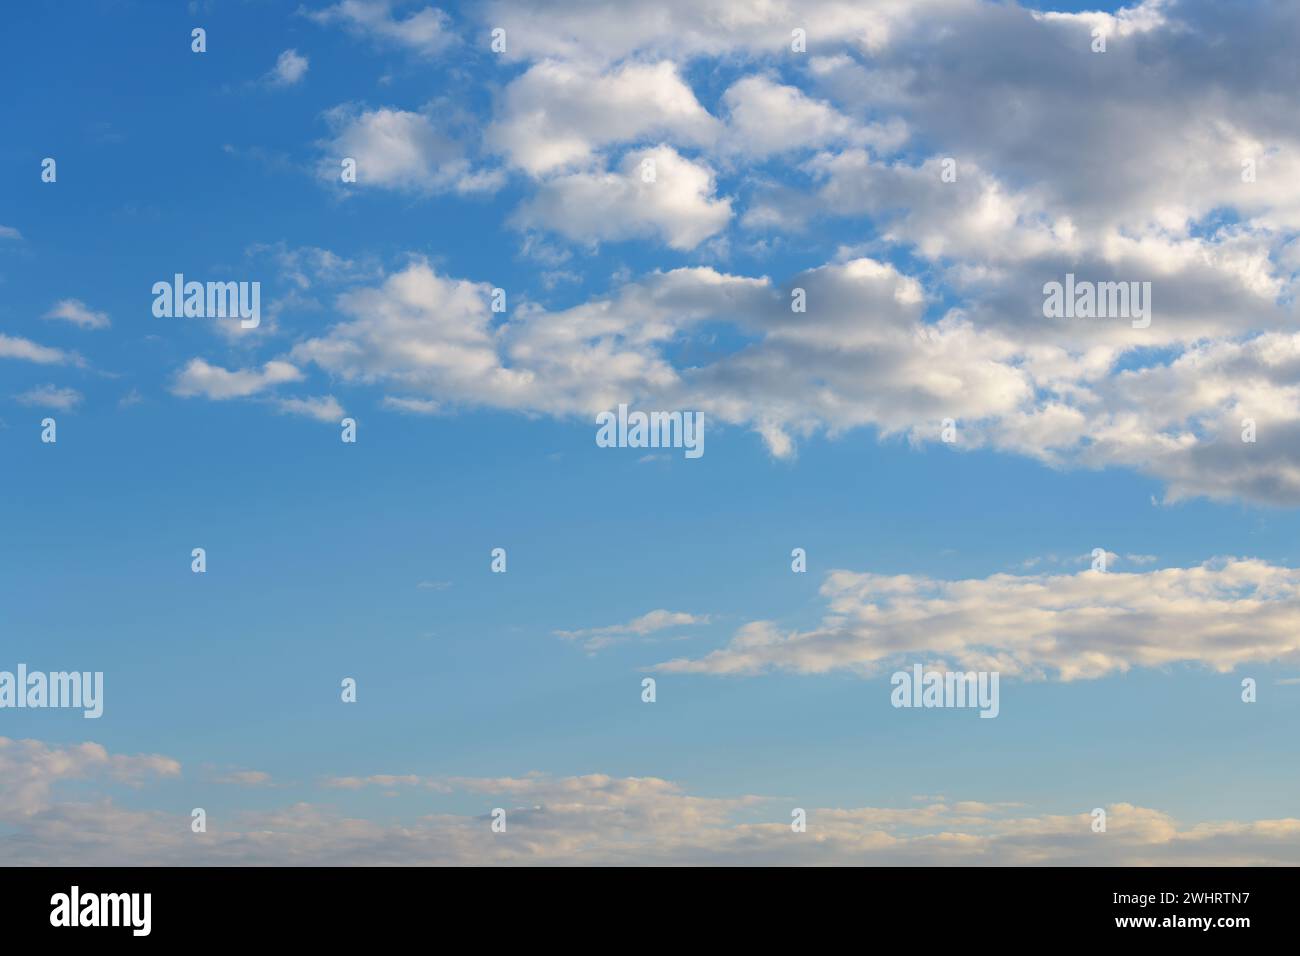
[(586, 820), (1160, 161)]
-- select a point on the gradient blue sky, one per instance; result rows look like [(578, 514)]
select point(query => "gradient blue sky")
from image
[(170, 162)]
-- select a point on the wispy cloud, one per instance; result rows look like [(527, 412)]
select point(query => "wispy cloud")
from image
[(78, 313), (51, 396), (653, 622)]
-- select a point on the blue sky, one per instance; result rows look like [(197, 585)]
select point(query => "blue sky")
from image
[(328, 560)]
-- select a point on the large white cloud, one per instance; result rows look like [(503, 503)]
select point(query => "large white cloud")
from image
[(595, 31), (1123, 166), (862, 355), (1070, 626), (766, 117), (654, 193), (559, 114)]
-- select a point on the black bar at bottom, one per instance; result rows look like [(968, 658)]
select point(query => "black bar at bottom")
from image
[(374, 905)]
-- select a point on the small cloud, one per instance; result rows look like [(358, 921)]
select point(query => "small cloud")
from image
[(244, 778), (9, 232), (49, 396), (199, 378), (425, 31), (324, 408), (595, 638), (434, 585), (289, 69), (78, 313), (388, 780), (12, 346), (412, 406), (1111, 558), (398, 149)]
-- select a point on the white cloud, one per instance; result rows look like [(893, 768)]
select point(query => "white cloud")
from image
[(16, 347), (425, 31), (397, 149), (78, 313), (386, 780), (199, 378), (862, 356), (766, 118), (413, 406), (244, 778), (596, 31), (653, 622), (678, 207), (323, 408), (290, 67), (1220, 614), (50, 396), (416, 329), (559, 114), (1221, 253), (30, 769), (593, 819)]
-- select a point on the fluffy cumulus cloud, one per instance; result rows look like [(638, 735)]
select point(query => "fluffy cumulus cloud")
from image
[(419, 330), (592, 31), (1159, 167), (1068, 626), (400, 149), (654, 193), (766, 117), (425, 31), (559, 114), (861, 355), (591, 819)]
